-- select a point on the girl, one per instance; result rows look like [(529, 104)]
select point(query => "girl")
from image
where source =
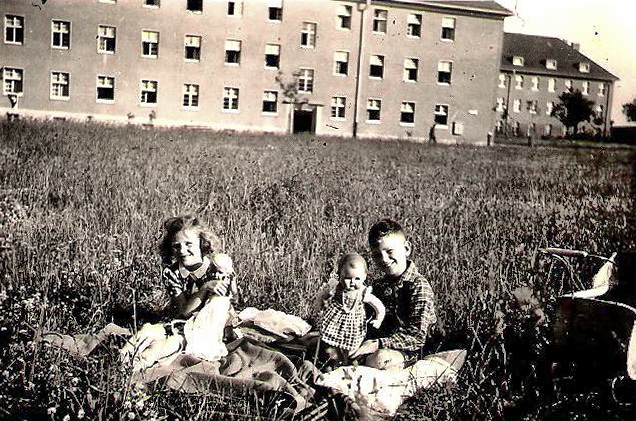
[(343, 324)]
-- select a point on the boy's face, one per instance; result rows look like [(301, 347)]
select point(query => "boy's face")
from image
[(353, 277), (186, 248), (391, 254)]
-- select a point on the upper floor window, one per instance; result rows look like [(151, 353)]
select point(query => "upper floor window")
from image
[(230, 99), (341, 63), (374, 110), (272, 56), (518, 61), (414, 25), (551, 84), (12, 78), (601, 89), (270, 102), (502, 80), (192, 47), (344, 16), (584, 67), (235, 8), (105, 89), (379, 20), (585, 87), (441, 114), (376, 66), (535, 83), (152, 3), (410, 69), (60, 83), (518, 82), (150, 44), (501, 104), (549, 106), (407, 113), (306, 80), (308, 35), (275, 10), (232, 51), (551, 64), (533, 106), (516, 105), (448, 29), (338, 107), (190, 95), (444, 72), (148, 90), (106, 39), (60, 34), (195, 6), (13, 29)]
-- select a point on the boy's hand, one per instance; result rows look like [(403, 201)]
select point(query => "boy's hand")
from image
[(367, 347)]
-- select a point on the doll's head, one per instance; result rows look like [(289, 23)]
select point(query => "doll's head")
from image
[(186, 240), (352, 271), (223, 267)]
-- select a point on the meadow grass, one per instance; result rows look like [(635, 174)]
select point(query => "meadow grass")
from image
[(81, 207)]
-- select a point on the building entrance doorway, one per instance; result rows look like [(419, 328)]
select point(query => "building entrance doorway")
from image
[(304, 121)]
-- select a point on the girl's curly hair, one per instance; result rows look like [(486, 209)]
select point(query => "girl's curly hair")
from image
[(210, 243)]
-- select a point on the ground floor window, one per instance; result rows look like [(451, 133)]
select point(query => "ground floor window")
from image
[(149, 92), (441, 114), (407, 113), (60, 85), (270, 102), (190, 95), (374, 108), (105, 88), (12, 78), (338, 104), (230, 99)]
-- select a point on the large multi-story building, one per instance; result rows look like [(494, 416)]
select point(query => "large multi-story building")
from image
[(535, 70), (389, 69)]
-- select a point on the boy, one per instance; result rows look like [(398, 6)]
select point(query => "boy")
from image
[(407, 296)]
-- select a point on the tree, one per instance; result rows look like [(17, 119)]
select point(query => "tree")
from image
[(629, 110), (573, 109)]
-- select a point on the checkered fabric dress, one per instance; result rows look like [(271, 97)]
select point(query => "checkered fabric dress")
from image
[(344, 323)]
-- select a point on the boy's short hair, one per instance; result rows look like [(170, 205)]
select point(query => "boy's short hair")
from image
[(383, 228)]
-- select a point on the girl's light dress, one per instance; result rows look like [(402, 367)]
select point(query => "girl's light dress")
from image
[(344, 323)]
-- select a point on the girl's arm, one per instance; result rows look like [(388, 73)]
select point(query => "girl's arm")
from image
[(185, 304), (377, 306)]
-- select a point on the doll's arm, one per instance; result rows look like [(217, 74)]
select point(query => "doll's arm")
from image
[(377, 306)]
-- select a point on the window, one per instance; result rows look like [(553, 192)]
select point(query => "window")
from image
[(272, 56), (516, 128), (195, 6), (584, 67), (232, 52), (601, 89), (192, 47), (270, 102), (531, 129), (13, 29), (586, 87), (448, 29), (60, 34), (379, 20), (518, 82), (551, 84), (105, 89), (106, 39), (148, 92), (306, 80), (549, 106), (376, 67), (568, 84), (308, 35), (338, 105), (12, 78), (374, 109), (152, 3), (60, 86), (551, 64), (235, 8), (275, 10), (441, 114), (547, 130), (535, 83), (500, 104), (190, 95), (414, 25), (150, 44), (444, 71), (230, 99), (518, 61), (341, 63), (516, 106), (407, 113), (502, 80), (532, 106), (344, 16), (410, 69), (500, 126)]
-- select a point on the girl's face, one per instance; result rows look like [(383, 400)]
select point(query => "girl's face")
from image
[(353, 277), (186, 248)]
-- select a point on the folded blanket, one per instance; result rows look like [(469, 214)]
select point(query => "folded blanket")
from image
[(273, 322)]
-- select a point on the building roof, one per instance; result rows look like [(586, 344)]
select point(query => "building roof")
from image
[(487, 7), (536, 50)]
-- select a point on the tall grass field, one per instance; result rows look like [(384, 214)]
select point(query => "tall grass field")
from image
[(81, 208)]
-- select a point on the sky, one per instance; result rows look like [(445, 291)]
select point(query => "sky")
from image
[(604, 28)]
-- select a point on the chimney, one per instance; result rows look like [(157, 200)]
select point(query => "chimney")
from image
[(576, 46)]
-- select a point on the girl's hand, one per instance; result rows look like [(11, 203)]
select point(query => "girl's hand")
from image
[(376, 323)]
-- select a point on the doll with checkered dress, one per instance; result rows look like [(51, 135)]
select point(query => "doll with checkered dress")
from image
[(343, 325)]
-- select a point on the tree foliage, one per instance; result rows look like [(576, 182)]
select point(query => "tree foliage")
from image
[(629, 110), (573, 109)]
